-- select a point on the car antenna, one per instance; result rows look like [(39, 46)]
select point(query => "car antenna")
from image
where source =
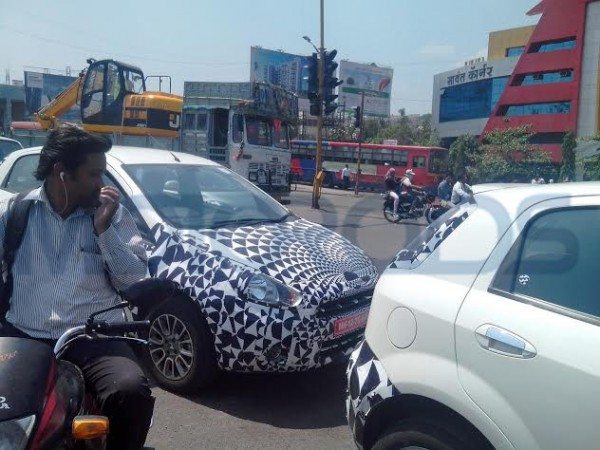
[(175, 157)]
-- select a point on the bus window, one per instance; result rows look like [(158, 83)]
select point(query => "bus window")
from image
[(280, 134), (259, 131), (438, 161), (237, 123), (419, 162), (400, 158)]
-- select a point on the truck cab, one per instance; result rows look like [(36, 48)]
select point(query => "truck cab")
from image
[(244, 126)]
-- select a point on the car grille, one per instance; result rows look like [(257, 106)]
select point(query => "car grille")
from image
[(345, 306), (275, 173), (341, 346)]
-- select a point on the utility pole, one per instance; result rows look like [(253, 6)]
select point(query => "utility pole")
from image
[(319, 156), (360, 136)]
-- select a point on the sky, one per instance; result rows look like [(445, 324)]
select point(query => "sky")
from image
[(205, 40)]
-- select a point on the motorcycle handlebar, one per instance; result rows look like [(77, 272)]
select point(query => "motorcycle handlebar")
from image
[(117, 328)]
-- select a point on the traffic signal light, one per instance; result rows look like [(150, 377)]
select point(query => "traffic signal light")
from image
[(313, 85), (330, 81), (357, 113)]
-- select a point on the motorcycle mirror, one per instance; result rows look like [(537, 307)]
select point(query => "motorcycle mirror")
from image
[(89, 427), (149, 292)]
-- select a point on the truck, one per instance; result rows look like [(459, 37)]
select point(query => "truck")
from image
[(244, 126)]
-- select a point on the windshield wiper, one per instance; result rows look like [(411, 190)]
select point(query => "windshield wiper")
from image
[(250, 221)]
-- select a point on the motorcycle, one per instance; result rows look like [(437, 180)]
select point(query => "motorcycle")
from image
[(406, 208), (436, 209), (43, 402)]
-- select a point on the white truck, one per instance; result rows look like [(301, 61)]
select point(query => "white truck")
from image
[(244, 126)]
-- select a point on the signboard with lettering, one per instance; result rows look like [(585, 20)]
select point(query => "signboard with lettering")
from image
[(374, 81), (472, 73)]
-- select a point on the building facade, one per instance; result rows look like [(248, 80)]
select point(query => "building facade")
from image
[(551, 79)]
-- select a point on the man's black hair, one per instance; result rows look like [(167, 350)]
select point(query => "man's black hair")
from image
[(70, 145)]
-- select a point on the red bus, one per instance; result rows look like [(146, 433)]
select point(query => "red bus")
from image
[(428, 163)]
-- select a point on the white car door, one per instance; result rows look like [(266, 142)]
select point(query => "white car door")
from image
[(528, 332)]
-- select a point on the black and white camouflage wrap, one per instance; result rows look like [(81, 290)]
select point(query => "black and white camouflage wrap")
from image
[(214, 267), (431, 238), (368, 385)]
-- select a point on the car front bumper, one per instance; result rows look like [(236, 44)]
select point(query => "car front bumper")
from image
[(368, 385)]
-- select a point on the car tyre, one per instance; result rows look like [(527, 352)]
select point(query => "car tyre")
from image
[(181, 355), (425, 434)]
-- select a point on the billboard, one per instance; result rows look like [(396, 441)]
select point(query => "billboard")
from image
[(42, 88), (374, 81), (279, 68)]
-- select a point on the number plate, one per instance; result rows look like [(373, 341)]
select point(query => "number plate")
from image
[(351, 323)]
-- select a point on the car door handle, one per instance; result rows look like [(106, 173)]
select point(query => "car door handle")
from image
[(504, 342)]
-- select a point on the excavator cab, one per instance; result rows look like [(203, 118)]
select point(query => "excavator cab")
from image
[(106, 85)]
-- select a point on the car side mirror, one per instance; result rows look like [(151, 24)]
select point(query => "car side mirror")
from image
[(149, 293)]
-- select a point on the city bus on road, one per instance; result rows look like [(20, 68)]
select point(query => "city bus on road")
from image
[(428, 163)]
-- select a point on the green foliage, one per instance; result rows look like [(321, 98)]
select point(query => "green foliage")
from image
[(591, 169), (567, 169), (463, 154), (504, 156)]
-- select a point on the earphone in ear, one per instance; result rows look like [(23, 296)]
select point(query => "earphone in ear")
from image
[(62, 176)]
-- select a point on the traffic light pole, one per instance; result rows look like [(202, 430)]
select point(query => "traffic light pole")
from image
[(360, 136), (319, 156)]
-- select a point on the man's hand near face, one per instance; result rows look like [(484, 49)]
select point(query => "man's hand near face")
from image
[(109, 203)]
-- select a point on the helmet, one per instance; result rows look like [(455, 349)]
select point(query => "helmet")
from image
[(409, 173)]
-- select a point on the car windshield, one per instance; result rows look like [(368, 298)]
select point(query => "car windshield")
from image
[(7, 147), (203, 196)]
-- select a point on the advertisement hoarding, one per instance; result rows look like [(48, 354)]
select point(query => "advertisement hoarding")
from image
[(279, 68), (374, 81), (42, 88)]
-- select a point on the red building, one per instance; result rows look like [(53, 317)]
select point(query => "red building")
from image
[(555, 84)]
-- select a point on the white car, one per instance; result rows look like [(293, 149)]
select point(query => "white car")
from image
[(260, 289), (7, 146), (485, 331)]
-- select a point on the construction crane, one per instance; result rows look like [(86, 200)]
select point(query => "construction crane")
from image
[(113, 99)]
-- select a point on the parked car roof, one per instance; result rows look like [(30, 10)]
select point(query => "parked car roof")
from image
[(141, 155)]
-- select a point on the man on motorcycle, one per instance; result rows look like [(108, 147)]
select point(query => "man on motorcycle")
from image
[(408, 187), (461, 192), (81, 247), (391, 186), (444, 190)]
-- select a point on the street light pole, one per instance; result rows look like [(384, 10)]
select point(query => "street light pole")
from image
[(319, 156), (360, 136)]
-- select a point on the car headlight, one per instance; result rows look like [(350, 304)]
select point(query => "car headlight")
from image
[(15, 433), (266, 290)]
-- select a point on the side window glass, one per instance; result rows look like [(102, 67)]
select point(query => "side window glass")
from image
[(237, 122), (21, 176), (556, 260)]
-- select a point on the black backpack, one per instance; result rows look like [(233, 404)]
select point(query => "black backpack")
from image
[(16, 224)]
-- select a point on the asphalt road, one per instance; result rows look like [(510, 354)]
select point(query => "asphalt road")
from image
[(287, 411)]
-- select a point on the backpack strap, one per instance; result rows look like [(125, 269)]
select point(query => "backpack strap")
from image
[(16, 224)]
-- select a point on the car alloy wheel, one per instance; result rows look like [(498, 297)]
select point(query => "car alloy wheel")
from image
[(171, 347)]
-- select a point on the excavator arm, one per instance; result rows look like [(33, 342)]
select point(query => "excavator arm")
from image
[(49, 114)]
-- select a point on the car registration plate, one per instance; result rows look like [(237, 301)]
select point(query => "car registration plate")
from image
[(351, 323)]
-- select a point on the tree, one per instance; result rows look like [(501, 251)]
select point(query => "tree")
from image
[(463, 153), (567, 169), (507, 156)]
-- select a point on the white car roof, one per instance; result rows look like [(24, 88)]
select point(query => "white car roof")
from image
[(140, 155), (514, 198)]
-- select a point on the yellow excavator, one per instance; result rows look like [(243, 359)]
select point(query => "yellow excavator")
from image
[(113, 99)]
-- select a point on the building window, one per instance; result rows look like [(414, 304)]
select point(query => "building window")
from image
[(514, 51), (560, 76), (474, 100), (553, 46), (535, 109)]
